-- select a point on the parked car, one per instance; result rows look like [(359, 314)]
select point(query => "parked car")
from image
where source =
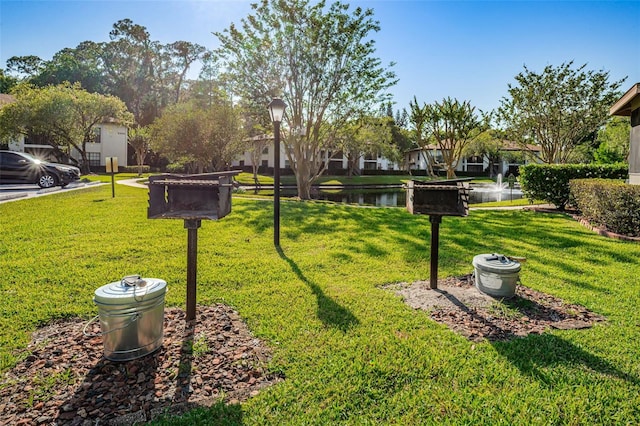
[(19, 167)]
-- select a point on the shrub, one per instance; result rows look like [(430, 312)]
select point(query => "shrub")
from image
[(550, 182), (610, 204), (176, 167), (134, 169)]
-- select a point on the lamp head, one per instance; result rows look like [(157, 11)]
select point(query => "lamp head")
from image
[(276, 109)]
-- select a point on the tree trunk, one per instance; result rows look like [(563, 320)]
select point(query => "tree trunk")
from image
[(352, 165), (86, 167), (451, 172), (303, 181), (141, 155), (428, 160)]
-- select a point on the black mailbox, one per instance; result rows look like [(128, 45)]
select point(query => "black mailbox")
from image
[(438, 198), (200, 196)]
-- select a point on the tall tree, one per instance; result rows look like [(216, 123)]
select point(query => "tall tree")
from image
[(366, 136), (319, 60), (489, 144), (201, 139), (128, 61), (7, 82), (66, 113), (400, 133), (25, 66), (453, 124), (183, 54), (80, 65), (557, 108), (421, 137), (256, 146), (613, 141), (138, 139)]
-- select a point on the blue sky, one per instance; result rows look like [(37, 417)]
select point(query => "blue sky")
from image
[(470, 50)]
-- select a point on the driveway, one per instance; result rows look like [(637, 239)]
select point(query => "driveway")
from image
[(21, 191)]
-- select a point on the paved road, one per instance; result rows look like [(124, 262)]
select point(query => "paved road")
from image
[(21, 191)]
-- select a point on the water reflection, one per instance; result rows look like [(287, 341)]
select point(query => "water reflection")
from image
[(396, 197)]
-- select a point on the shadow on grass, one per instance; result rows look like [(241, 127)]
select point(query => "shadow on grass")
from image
[(331, 313), (545, 356)]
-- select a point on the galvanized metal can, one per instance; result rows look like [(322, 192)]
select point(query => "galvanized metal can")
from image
[(496, 275), (131, 313)]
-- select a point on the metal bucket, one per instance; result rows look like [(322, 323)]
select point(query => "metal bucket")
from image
[(496, 275), (131, 313)]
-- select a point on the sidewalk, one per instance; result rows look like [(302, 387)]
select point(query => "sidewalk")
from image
[(132, 182)]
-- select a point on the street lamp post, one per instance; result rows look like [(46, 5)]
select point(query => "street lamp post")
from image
[(276, 110)]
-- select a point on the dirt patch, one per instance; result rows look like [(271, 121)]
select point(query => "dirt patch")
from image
[(65, 380), (458, 304)]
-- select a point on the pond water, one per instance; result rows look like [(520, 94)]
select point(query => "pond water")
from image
[(396, 197)]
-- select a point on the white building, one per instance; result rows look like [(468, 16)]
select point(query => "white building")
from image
[(417, 159), (265, 159), (110, 141)]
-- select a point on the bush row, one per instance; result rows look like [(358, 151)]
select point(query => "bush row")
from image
[(550, 182), (134, 169), (610, 204), (123, 169)]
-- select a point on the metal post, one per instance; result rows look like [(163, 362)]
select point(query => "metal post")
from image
[(435, 240), (276, 184), (192, 226), (113, 179)]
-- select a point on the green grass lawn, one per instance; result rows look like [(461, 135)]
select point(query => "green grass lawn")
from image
[(351, 352)]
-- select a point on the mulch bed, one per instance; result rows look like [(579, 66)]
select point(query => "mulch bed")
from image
[(458, 304), (65, 380)]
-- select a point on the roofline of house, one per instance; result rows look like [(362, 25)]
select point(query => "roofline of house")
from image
[(629, 102), (511, 147)]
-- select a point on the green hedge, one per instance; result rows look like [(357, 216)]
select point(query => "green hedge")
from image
[(550, 182), (610, 204), (134, 169)]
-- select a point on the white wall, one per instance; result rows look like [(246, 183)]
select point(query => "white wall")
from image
[(113, 143), (17, 144)]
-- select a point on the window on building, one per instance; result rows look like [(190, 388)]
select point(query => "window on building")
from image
[(93, 158), (370, 165), (475, 164), (94, 137), (265, 150), (265, 163)]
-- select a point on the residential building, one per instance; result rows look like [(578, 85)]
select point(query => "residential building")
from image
[(109, 140), (514, 156), (629, 106), (338, 162)]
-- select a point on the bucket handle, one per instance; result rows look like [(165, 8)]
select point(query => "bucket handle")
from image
[(136, 282), (134, 318)]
